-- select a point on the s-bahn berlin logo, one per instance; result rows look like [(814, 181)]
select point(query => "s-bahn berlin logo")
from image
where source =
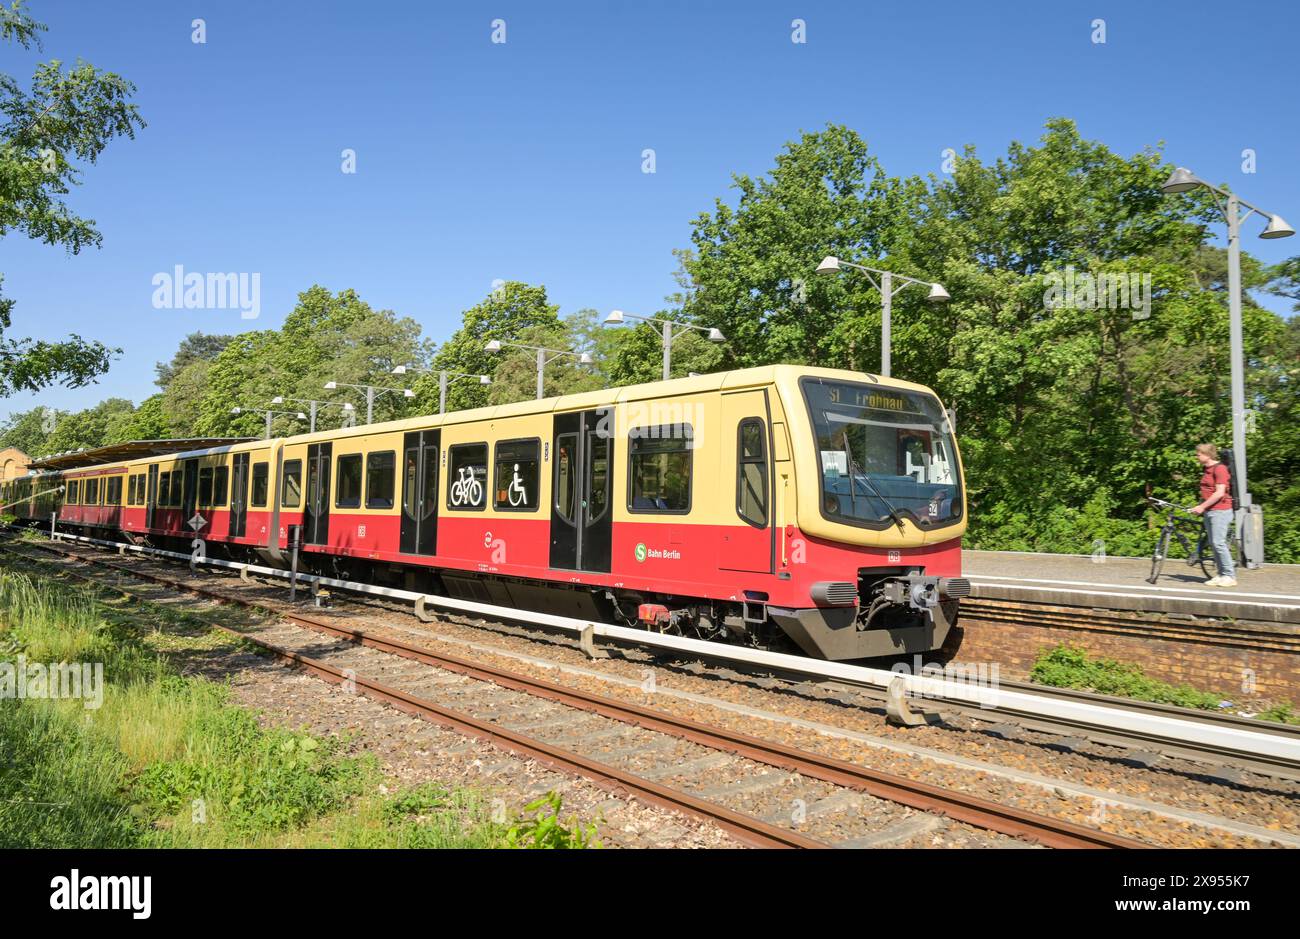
[(640, 551)]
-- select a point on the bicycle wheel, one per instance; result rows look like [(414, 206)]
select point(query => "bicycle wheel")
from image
[(1204, 552), (1158, 555)]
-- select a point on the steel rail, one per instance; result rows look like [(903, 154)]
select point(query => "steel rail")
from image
[(973, 810), (1261, 746)]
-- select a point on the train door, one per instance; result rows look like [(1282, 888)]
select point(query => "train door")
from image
[(316, 512), (420, 492), (152, 496), (238, 495), (190, 492), (747, 539), (582, 459)]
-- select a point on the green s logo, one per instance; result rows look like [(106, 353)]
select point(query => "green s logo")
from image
[(640, 552)]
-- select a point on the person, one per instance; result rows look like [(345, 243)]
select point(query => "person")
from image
[(1216, 506)]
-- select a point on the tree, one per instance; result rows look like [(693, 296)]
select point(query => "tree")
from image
[(512, 312), (66, 117), (326, 337), (196, 347)]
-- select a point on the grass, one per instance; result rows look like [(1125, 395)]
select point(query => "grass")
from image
[(169, 761), (1067, 666)]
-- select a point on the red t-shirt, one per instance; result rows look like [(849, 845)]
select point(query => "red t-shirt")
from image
[(1216, 474)]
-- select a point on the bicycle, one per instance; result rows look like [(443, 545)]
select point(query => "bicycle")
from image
[(1202, 554)]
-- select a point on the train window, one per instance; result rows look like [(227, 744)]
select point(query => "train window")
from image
[(517, 476), (164, 488), (205, 486), (92, 492), (566, 458), (751, 472), (597, 476), (467, 476), (178, 488), (220, 480), (113, 491), (659, 468), (380, 469), (260, 487), (130, 490), (291, 491), (347, 486), (74, 492)]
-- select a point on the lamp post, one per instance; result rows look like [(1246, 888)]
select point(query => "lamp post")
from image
[(666, 329), (269, 414), (372, 391), (832, 265), (444, 378), (313, 406), (1249, 517), (543, 359)]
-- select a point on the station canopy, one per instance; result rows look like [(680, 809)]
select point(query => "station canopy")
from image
[(130, 450)]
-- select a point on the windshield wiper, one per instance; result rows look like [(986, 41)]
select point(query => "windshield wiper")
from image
[(848, 466), (848, 456)]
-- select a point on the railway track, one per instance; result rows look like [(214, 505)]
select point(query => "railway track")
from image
[(627, 747)]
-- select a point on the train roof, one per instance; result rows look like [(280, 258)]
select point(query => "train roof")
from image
[(786, 376), (129, 450)]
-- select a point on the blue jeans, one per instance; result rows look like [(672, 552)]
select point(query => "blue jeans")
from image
[(1217, 521)]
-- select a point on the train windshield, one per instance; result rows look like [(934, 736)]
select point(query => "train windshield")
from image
[(884, 454)]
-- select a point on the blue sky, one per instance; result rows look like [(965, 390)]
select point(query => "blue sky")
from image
[(478, 160)]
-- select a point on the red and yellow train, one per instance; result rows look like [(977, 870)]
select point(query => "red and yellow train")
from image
[(774, 504)]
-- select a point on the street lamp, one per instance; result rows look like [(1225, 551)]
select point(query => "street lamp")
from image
[(444, 377), (832, 265), (584, 358), (1249, 517), (269, 414), (617, 317), (372, 391), (313, 406)]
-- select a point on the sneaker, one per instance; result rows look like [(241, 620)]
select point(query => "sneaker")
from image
[(1214, 581), (1227, 582)]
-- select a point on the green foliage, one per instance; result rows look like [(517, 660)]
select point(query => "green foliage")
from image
[(1071, 667), (1283, 713), (68, 117), (260, 780), (544, 829), (168, 760)]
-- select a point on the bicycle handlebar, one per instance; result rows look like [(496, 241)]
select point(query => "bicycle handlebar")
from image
[(1162, 504)]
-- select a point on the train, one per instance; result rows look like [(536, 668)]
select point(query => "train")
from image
[(803, 509)]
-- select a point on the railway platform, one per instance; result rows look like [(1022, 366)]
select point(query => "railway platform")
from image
[(1242, 642), (1270, 594)]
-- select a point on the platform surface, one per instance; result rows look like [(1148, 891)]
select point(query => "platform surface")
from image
[(1269, 594)]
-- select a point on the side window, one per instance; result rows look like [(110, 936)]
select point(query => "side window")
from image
[(260, 475), (598, 475), (380, 468), (164, 488), (517, 477), (205, 486), (178, 488), (467, 476), (291, 491), (92, 492), (347, 485), (114, 494), (74, 492), (659, 468), (751, 472), (220, 480), (566, 475)]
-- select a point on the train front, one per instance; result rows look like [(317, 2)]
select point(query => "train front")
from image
[(873, 555)]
